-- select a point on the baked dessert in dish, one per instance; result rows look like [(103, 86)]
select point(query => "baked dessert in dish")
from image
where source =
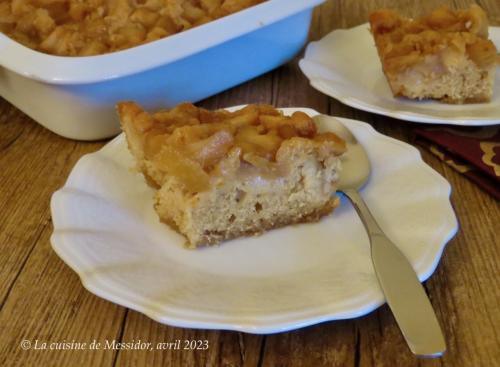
[(445, 55), (221, 174), (83, 28)]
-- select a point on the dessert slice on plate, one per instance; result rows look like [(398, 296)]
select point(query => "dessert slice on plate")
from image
[(445, 55), (221, 174)]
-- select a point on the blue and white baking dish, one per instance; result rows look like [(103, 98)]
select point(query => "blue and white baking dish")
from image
[(75, 96)]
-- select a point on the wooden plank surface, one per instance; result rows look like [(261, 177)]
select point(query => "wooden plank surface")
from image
[(43, 299)]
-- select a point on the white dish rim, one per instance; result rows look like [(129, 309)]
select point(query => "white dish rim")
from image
[(254, 325)]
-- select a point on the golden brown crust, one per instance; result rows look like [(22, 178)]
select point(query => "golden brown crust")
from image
[(402, 42), (470, 100), (190, 142), (91, 27)]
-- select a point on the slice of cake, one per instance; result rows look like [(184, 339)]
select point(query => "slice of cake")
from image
[(445, 55), (221, 174)]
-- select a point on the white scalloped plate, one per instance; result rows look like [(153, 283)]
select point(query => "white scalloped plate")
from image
[(344, 65), (106, 230)]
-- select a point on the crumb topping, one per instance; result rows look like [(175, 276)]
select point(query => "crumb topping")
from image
[(190, 142), (404, 42)]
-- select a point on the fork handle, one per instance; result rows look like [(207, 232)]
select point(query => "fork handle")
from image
[(404, 294)]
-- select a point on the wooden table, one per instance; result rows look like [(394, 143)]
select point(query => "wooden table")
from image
[(42, 299)]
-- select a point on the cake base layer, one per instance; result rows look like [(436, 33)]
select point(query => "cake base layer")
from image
[(462, 83), (250, 203)]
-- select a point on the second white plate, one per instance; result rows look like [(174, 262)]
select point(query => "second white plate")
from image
[(105, 228), (344, 65)]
